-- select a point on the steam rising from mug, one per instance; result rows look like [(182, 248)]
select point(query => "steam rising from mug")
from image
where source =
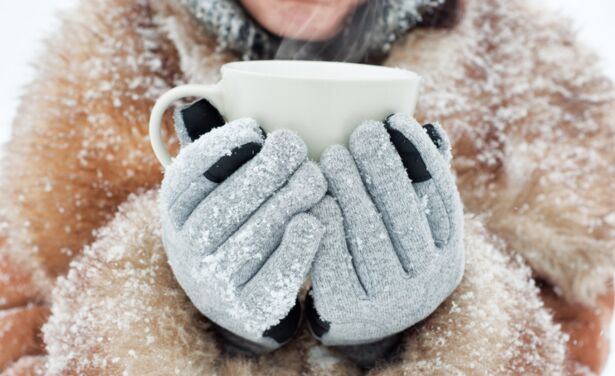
[(367, 35), (353, 43)]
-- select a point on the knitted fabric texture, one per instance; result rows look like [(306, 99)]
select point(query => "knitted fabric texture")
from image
[(393, 249)]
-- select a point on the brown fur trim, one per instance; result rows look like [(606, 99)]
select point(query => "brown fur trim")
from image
[(19, 332), (24, 290), (27, 366)]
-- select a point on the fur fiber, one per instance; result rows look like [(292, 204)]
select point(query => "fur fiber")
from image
[(530, 115)]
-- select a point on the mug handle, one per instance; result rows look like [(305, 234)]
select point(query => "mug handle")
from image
[(212, 93)]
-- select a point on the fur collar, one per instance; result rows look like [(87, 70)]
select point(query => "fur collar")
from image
[(369, 33)]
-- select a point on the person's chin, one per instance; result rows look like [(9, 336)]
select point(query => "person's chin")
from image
[(312, 20)]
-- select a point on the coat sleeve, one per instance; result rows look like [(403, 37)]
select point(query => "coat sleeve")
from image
[(552, 198), (78, 148), (532, 119), (125, 272)]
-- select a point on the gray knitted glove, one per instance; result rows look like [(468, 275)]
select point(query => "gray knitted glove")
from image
[(393, 248), (234, 227)]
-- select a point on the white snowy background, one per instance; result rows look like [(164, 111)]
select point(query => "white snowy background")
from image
[(24, 24)]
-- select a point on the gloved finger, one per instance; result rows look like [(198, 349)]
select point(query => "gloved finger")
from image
[(203, 164), (273, 290), (225, 209), (375, 261), (391, 190), (439, 138), (431, 177), (335, 284), (196, 119), (245, 252)]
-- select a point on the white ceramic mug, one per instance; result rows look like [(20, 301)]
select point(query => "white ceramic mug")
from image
[(322, 101)]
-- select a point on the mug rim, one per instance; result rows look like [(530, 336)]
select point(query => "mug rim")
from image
[(392, 74)]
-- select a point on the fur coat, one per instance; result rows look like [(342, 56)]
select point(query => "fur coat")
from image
[(532, 120)]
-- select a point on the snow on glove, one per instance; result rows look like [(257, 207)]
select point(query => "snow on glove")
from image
[(234, 225), (393, 250)]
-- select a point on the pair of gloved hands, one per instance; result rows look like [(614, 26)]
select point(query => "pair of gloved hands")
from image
[(246, 217)]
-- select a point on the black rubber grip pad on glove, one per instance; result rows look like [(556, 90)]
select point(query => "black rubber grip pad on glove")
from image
[(433, 134), (200, 118), (281, 333), (366, 355), (410, 156), (286, 328), (318, 326), (228, 164)]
